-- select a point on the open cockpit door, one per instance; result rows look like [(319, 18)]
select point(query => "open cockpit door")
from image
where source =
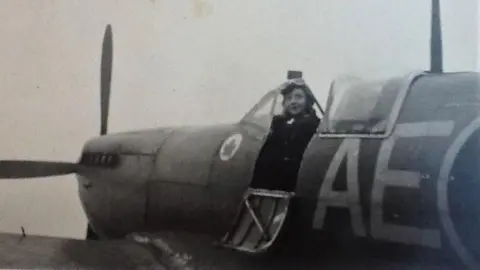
[(259, 222)]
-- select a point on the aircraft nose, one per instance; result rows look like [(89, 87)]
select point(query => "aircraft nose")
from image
[(112, 189)]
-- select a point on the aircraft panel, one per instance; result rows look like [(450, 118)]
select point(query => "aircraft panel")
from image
[(145, 142), (108, 194), (106, 205), (451, 164), (178, 207), (186, 156), (231, 174)]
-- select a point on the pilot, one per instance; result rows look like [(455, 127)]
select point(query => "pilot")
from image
[(278, 162)]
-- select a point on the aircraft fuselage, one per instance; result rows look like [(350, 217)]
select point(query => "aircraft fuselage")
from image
[(415, 184)]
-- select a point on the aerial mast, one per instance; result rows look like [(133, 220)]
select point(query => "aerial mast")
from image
[(436, 50)]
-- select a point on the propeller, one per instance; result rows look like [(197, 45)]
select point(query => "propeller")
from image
[(106, 78), (436, 50), (27, 169), (14, 169)]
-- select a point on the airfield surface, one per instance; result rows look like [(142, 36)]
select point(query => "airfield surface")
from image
[(192, 252)]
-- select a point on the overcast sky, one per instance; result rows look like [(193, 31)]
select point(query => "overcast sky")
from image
[(180, 62)]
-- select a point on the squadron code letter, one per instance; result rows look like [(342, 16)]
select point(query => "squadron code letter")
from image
[(350, 198), (385, 177)]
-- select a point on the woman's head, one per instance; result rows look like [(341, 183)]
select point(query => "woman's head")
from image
[(297, 99)]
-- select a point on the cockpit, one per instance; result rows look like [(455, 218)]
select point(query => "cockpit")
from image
[(354, 106), (270, 105)]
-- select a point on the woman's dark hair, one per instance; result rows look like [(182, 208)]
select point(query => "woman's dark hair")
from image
[(308, 94)]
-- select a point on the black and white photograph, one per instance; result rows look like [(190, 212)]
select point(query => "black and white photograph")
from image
[(240, 134)]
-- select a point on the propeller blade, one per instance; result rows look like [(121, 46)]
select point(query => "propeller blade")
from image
[(436, 50), (106, 78), (28, 169)]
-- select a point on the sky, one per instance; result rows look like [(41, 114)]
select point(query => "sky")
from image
[(184, 62)]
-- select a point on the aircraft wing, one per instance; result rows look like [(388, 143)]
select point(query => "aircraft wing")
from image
[(34, 252), (181, 252), (196, 251)]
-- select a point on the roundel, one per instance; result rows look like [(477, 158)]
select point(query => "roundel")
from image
[(457, 191), (230, 146)]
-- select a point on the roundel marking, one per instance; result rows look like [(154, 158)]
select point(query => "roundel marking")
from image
[(442, 193), (230, 146)]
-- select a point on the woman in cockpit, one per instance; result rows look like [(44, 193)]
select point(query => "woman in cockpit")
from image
[(279, 160)]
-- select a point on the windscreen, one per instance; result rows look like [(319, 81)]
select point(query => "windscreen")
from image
[(261, 114)]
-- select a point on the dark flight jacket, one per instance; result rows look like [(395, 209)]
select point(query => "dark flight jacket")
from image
[(279, 159)]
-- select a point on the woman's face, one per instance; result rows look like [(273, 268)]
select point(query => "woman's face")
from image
[(295, 102)]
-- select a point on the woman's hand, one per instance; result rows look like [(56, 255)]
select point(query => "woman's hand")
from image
[(298, 81)]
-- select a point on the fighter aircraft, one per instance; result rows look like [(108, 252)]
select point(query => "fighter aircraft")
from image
[(392, 161)]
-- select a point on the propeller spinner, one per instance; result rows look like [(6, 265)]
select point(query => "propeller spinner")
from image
[(10, 169)]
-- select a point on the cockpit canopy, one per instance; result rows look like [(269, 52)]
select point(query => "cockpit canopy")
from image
[(354, 106), (357, 106)]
